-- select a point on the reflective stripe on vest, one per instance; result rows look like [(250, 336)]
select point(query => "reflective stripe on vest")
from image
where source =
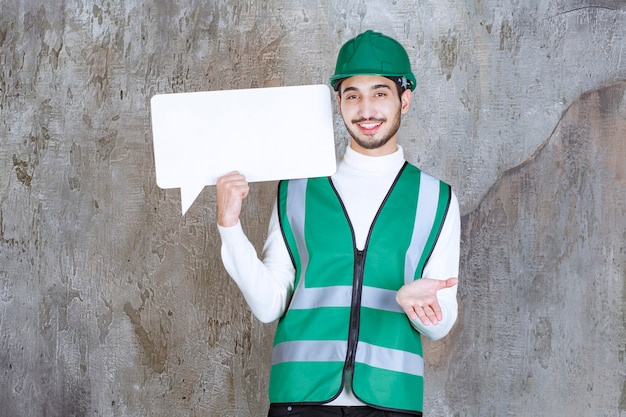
[(353, 293), (334, 350)]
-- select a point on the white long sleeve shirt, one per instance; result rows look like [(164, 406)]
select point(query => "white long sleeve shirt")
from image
[(362, 183)]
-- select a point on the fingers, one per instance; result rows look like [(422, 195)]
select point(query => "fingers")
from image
[(419, 299), (233, 183), (428, 314), (232, 188), (423, 316), (424, 308)]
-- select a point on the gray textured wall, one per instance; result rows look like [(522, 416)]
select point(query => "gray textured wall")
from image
[(111, 304)]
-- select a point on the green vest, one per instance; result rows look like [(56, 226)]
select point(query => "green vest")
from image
[(343, 318)]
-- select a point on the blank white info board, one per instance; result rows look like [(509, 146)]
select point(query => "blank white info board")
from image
[(265, 133)]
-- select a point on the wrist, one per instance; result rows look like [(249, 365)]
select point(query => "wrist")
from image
[(227, 221)]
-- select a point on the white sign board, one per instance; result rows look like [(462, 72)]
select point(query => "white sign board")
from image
[(264, 133)]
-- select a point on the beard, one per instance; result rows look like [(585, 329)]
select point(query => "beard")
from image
[(371, 141)]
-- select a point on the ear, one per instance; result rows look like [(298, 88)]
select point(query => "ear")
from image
[(405, 99)]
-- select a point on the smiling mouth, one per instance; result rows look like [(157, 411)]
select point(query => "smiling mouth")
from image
[(368, 125)]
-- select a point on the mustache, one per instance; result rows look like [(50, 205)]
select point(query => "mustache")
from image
[(369, 119)]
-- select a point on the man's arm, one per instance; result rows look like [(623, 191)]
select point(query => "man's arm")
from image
[(430, 302), (266, 285)]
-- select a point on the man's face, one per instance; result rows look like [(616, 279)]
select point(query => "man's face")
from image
[(371, 111)]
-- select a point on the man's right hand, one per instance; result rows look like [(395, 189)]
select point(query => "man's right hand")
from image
[(232, 188)]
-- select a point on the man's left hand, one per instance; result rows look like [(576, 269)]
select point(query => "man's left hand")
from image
[(419, 299)]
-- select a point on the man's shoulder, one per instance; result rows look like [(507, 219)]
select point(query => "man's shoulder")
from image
[(423, 174)]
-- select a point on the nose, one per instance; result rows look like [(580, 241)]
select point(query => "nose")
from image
[(366, 108)]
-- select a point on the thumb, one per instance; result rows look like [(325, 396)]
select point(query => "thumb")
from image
[(450, 282)]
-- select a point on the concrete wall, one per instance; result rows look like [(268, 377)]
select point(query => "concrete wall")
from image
[(111, 304)]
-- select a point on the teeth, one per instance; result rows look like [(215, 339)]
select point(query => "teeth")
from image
[(369, 125)]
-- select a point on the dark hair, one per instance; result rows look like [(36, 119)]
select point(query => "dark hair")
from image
[(400, 82)]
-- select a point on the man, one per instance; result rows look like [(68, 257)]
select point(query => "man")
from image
[(356, 266)]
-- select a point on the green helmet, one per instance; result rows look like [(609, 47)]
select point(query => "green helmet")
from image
[(372, 53)]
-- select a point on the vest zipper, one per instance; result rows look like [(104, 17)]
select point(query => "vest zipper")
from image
[(355, 309), (357, 286)]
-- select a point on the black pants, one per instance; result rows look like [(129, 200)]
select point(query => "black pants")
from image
[(284, 410)]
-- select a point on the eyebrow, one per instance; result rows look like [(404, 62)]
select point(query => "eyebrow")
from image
[(372, 88)]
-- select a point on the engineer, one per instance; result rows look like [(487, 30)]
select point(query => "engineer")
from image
[(357, 266)]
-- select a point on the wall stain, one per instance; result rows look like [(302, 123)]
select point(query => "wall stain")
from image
[(105, 145), (154, 354), (35, 144), (509, 38), (76, 163), (21, 171), (104, 322), (542, 349), (448, 54), (53, 312)]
